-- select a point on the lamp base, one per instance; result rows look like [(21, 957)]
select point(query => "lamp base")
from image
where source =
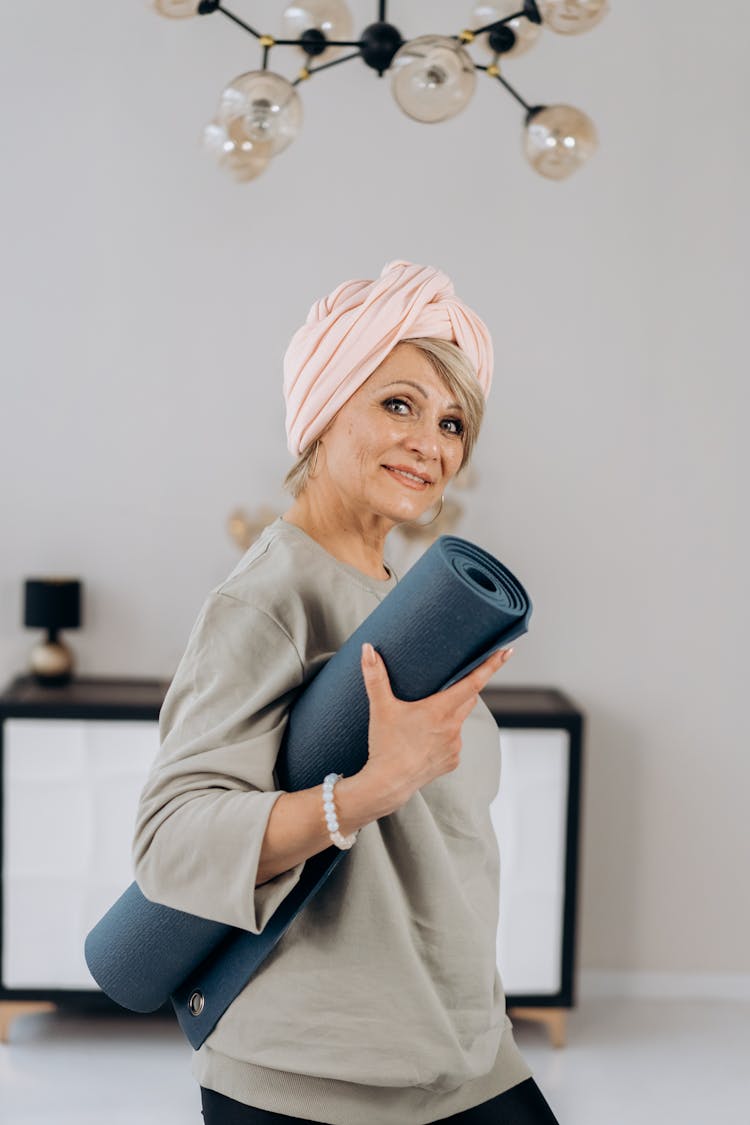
[(51, 663)]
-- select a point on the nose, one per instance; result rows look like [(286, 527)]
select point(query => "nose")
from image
[(424, 439)]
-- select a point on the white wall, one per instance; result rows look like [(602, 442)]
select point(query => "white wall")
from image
[(147, 301)]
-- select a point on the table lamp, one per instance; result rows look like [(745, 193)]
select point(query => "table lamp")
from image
[(52, 604)]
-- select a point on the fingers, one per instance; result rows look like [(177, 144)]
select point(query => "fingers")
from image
[(496, 660), (488, 667), (473, 683), (463, 692), (375, 674)]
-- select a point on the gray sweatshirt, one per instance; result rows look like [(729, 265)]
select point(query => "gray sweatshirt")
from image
[(382, 1004)]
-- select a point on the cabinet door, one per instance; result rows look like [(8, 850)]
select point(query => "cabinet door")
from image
[(70, 793), (529, 817)]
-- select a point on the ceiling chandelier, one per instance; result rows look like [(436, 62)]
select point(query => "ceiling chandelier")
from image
[(432, 77)]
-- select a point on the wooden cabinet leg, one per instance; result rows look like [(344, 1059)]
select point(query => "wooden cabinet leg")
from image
[(554, 1018), (10, 1009)]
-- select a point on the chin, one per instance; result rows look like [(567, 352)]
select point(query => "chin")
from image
[(402, 509), (398, 515)]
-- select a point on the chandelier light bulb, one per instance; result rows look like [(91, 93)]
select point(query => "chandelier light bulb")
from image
[(234, 152), (332, 17), (433, 78), (526, 32), (177, 9), (266, 106), (558, 139), (571, 17)]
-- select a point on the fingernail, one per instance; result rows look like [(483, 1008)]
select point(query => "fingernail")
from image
[(508, 652), (369, 653)]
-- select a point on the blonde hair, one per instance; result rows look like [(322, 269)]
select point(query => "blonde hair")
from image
[(457, 372)]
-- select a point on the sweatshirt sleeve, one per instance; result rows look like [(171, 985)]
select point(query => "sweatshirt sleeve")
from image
[(203, 811)]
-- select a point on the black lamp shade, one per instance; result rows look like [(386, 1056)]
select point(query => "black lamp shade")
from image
[(52, 603)]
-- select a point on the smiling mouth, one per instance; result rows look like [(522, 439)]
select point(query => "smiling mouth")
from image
[(408, 479)]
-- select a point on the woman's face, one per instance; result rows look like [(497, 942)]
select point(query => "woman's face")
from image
[(403, 417)]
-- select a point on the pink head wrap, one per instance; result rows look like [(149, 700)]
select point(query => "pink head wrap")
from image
[(350, 332)]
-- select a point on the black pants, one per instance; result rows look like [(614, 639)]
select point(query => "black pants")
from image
[(523, 1104)]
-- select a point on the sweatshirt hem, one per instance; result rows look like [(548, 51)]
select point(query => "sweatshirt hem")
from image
[(336, 1102)]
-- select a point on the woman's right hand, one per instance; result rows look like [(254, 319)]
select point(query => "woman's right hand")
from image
[(410, 744)]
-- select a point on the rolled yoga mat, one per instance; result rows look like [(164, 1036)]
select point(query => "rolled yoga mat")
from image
[(454, 607)]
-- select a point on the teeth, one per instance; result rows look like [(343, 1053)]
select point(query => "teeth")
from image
[(411, 476)]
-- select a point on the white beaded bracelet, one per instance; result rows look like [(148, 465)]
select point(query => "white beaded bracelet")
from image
[(330, 813)]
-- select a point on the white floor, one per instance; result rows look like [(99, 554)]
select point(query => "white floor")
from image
[(627, 1062)]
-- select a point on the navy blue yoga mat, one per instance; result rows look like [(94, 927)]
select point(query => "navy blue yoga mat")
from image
[(453, 608)]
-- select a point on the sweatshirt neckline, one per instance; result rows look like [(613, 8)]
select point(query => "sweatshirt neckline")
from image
[(378, 585)]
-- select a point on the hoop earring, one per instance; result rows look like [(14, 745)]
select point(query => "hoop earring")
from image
[(437, 513)]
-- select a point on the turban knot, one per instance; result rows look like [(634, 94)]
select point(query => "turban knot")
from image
[(350, 332)]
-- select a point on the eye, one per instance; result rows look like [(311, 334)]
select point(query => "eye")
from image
[(401, 401), (459, 430)]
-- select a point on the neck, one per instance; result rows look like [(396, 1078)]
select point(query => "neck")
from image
[(356, 538)]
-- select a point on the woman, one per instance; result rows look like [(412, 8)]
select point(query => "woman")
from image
[(382, 1004)]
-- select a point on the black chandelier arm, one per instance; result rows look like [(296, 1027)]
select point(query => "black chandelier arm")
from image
[(474, 31), (381, 11), (231, 16), (308, 72), (206, 7), (328, 43), (530, 11), (494, 72)]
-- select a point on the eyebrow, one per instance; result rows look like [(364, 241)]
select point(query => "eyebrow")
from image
[(450, 406)]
